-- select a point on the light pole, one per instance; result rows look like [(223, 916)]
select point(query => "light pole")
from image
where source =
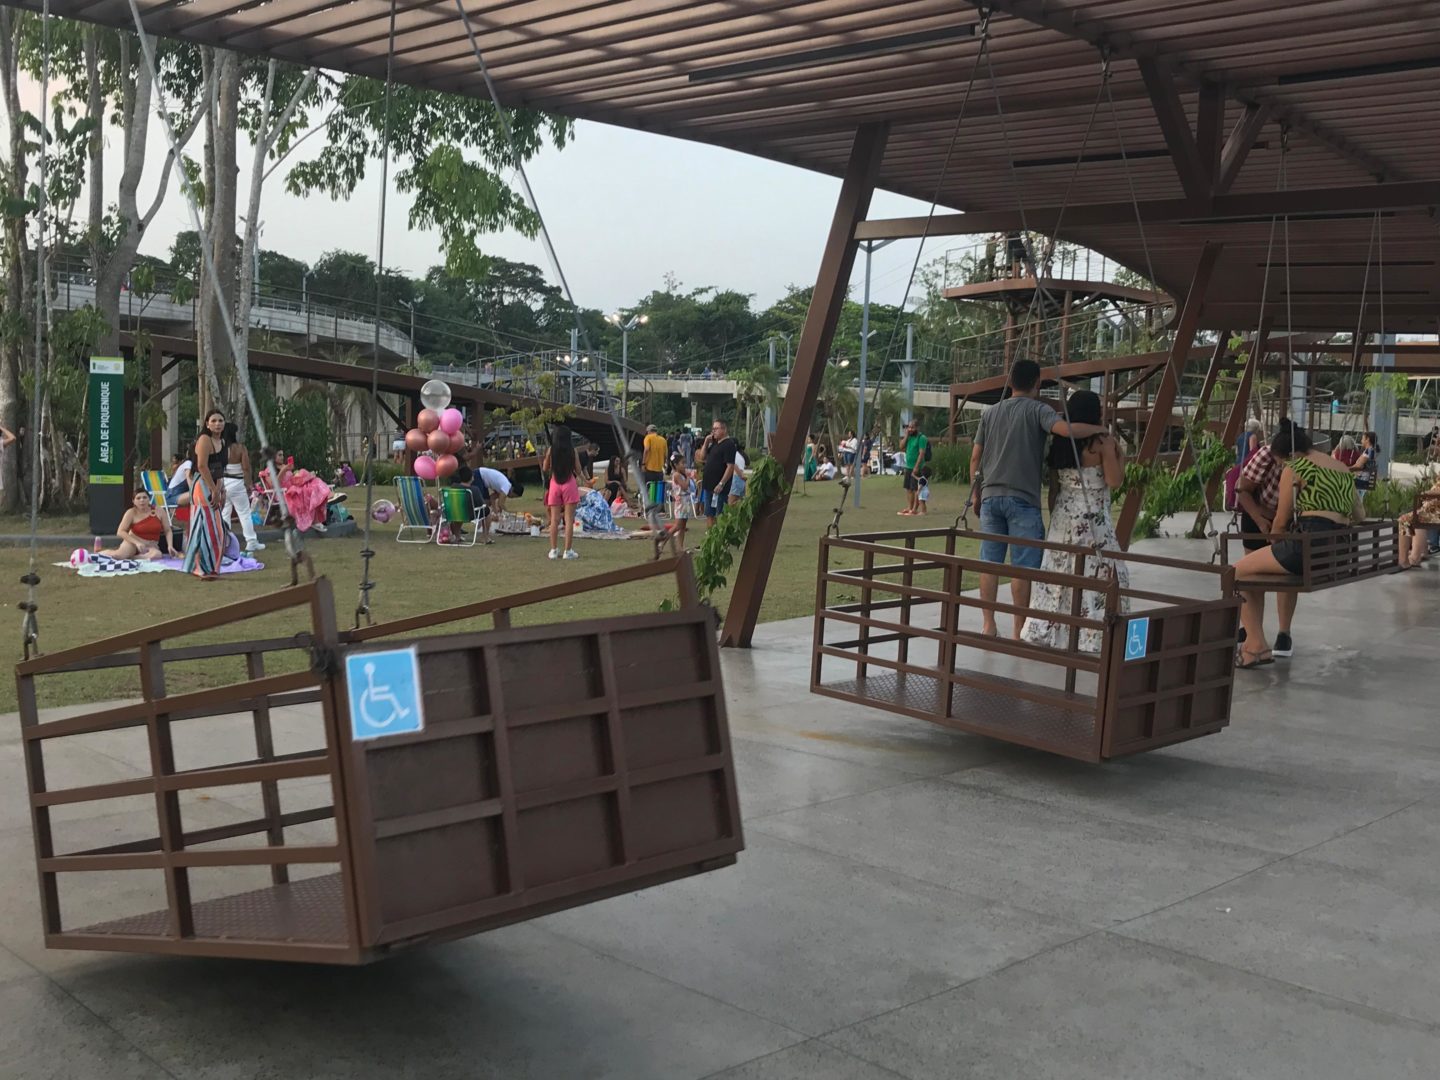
[(870, 247), (616, 319), (305, 303)]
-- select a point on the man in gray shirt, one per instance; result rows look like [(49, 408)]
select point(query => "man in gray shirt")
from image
[(1008, 460)]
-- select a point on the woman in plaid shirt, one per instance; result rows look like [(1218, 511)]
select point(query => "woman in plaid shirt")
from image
[(1258, 494)]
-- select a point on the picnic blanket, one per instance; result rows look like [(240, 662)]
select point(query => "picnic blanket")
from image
[(101, 566)]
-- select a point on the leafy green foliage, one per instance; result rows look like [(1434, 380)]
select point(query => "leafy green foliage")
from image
[(717, 551), (300, 426), (448, 151), (1164, 493), (950, 464)]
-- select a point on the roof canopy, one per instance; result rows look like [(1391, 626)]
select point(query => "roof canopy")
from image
[(1200, 91)]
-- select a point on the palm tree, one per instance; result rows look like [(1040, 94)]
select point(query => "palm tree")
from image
[(756, 389), (342, 401), (837, 401), (887, 409)]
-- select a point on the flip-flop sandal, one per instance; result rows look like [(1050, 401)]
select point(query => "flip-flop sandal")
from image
[(1262, 658)]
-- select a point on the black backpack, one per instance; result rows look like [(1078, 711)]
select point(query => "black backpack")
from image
[(928, 454)]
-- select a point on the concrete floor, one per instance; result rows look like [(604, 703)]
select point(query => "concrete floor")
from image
[(912, 902)]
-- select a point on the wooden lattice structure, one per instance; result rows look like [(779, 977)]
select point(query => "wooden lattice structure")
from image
[(901, 645), (557, 765)]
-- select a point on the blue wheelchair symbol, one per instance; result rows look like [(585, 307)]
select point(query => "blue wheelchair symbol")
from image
[(384, 691), (1137, 638)]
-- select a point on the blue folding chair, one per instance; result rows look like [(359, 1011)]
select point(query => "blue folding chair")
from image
[(414, 514)]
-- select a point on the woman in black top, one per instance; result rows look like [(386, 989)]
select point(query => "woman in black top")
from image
[(205, 546)]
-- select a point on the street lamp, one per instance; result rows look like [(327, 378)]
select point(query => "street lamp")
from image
[(616, 319), (305, 303)]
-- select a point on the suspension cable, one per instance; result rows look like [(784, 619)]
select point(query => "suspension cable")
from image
[(362, 605), (30, 623), (294, 546), (502, 115), (889, 355), (1028, 247)]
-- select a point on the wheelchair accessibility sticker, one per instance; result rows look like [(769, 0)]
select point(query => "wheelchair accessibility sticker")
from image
[(384, 692), (1137, 639)]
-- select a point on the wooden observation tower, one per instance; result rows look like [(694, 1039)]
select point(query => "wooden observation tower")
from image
[(1058, 305)]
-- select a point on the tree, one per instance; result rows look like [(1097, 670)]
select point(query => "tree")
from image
[(837, 402), (105, 74), (756, 388), (435, 141)]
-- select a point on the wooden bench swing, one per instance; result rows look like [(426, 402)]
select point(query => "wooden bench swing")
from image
[(1340, 557), (1163, 674), (557, 765)]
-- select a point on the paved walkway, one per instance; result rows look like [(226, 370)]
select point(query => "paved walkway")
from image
[(913, 902)]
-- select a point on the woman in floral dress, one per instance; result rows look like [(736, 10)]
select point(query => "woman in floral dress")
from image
[(1079, 516)]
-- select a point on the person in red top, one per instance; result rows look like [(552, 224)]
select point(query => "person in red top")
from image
[(144, 531), (1258, 495)]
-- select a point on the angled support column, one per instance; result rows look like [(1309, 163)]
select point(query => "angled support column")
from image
[(1164, 404), (788, 444), (1175, 125), (1238, 145)]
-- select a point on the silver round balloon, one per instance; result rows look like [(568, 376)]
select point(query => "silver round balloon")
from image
[(435, 394)]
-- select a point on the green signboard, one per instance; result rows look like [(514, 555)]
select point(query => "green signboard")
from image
[(107, 443)]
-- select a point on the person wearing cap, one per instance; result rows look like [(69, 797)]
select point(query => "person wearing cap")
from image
[(652, 466)]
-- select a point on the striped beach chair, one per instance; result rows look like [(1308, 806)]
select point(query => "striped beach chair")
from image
[(414, 516), (457, 508), (156, 485)]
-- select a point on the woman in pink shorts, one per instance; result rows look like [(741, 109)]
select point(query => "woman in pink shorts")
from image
[(563, 493)]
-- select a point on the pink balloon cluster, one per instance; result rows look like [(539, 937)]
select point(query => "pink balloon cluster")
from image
[(436, 438)]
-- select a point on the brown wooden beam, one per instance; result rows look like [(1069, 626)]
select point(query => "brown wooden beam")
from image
[(788, 443), (1238, 146), (1209, 124), (1175, 126), (1406, 195), (1068, 21), (1169, 389)]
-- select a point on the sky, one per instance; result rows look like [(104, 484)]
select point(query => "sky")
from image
[(624, 208)]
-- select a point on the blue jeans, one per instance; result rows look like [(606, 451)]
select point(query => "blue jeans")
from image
[(1007, 515), (712, 503)]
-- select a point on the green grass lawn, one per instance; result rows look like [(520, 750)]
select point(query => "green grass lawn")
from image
[(412, 579)]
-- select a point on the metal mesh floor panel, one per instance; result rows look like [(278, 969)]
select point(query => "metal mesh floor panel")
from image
[(312, 910), (984, 712)]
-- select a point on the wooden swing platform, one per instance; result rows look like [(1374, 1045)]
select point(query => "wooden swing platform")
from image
[(557, 765), (904, 632)]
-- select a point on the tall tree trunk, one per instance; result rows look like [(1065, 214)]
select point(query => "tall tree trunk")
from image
[(218, 309), (95, 112), (265, 137), (18, 298), (136, 94)]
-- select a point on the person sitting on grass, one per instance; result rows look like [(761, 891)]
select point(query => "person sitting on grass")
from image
[(826, 469), (144, 531)]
